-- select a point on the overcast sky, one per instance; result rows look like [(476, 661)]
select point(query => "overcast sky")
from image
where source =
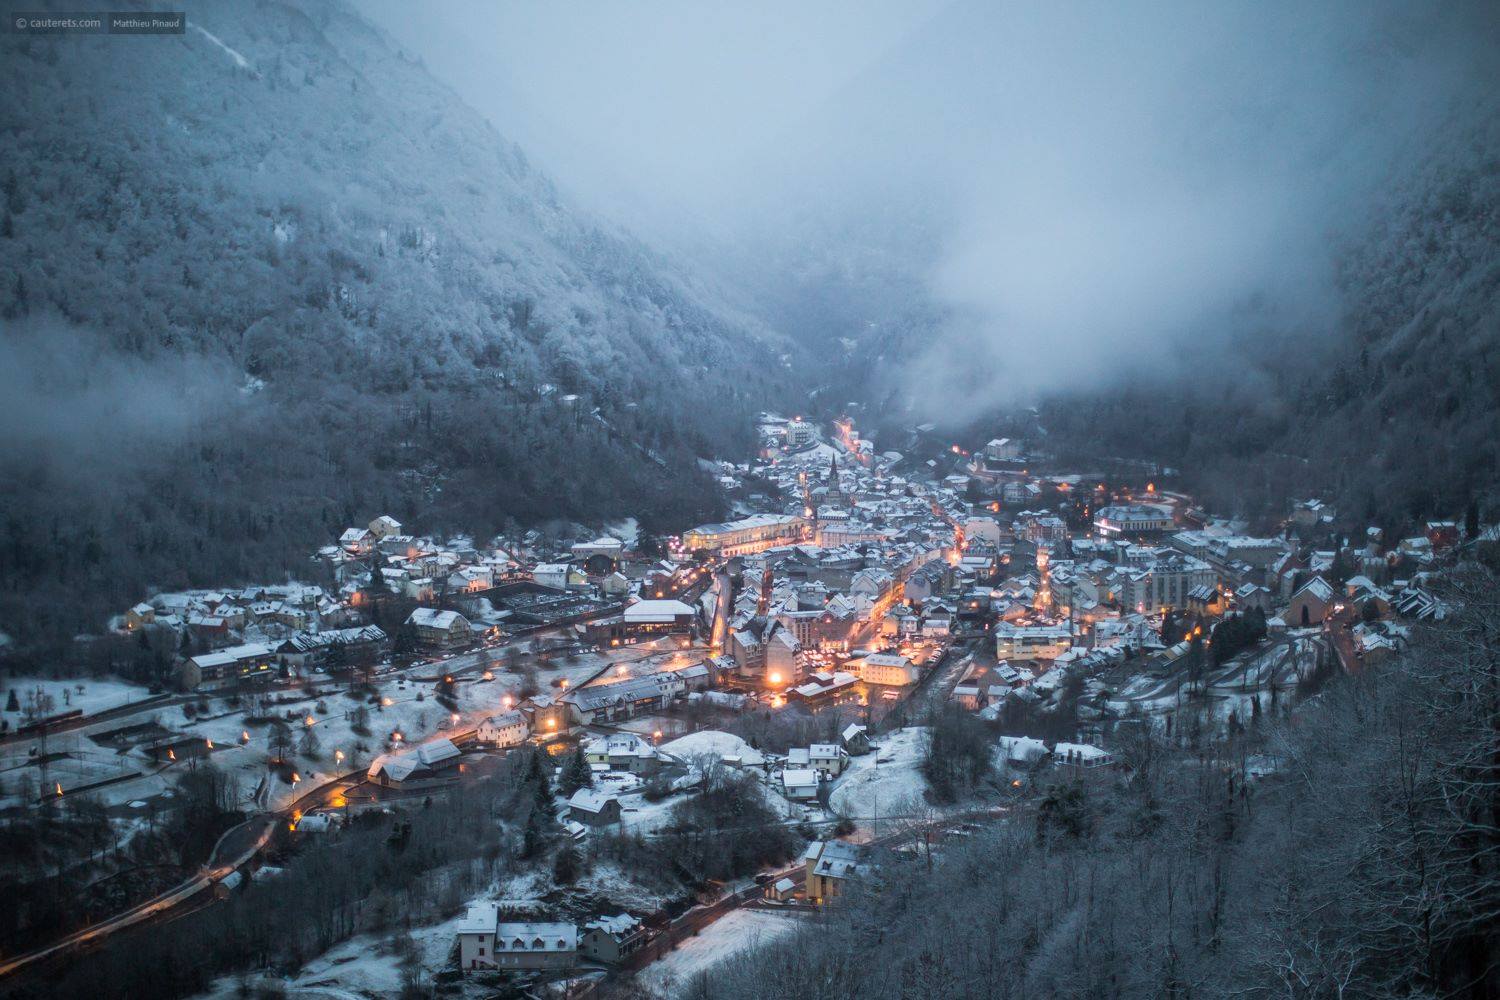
[(1073, 188), (646, 106)]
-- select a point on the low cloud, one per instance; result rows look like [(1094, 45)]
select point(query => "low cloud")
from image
[(77, 410)]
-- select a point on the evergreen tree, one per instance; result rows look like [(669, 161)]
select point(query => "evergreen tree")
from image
[(577, 774), (1340, 570), (1471, 515), (565, 866)]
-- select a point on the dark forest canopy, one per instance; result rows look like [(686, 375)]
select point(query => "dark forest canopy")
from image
[(251, 295)]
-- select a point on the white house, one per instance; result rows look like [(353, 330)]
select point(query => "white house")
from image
[(505, 730), (384, 526), (559, 576), (829, 758), (800, 784), (890, 669), (486, 943)]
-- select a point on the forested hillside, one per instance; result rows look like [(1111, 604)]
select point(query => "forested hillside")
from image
[(1393, 409), (268, 277)]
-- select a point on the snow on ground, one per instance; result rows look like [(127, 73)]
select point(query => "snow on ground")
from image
[(712, 741), (364, 966), (882, 781), (731, 934), (95, 696), (238, 59)]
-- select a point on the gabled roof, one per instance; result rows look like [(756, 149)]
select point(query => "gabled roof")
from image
[(589, 801)]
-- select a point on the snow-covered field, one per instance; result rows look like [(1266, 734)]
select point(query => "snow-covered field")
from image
[(728, 936), (364, 966), (95, 696), (884, 780), (711, 741)]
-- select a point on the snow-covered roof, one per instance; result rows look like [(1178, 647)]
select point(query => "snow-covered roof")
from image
[(433, 618), (656, 611), (798, 777), (536, 937), (400, 766), (589, 801)]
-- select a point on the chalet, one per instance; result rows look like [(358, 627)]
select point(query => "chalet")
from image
[(506, 730), (831, 865), (435, 761), (855, 738), (611, 939), (356, 541), (593, 808), (440, 631), (828, 758), (623, 752), (800, 784)]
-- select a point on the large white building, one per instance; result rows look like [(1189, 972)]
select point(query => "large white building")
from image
[(486, 943), (1032, 642), (1160, 585), (891, 669), (747, 535), (1132, 519)]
